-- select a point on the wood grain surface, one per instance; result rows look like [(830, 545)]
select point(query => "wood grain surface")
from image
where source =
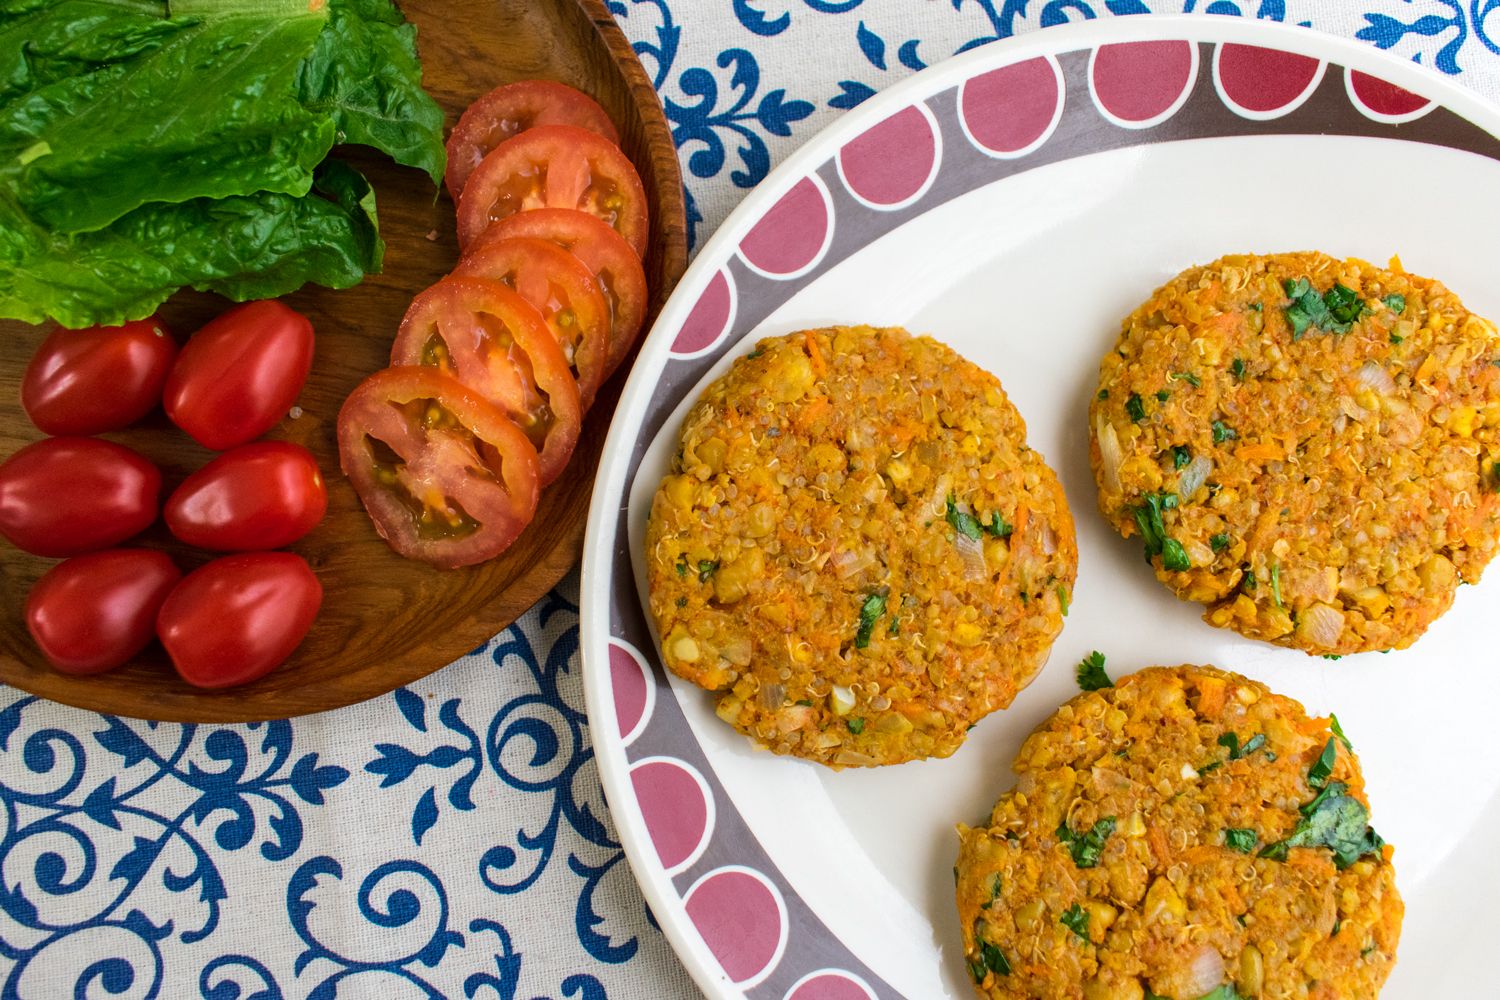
[(385, 620)]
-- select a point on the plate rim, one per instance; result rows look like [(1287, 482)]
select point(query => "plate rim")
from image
[(610, 484)]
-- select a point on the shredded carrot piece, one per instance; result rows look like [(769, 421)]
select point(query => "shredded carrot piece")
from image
[(1259, 452), (820, 367), (1211, 697), (1429, 365)]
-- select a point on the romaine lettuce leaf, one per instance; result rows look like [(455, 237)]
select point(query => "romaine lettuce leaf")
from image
[(244, 247)]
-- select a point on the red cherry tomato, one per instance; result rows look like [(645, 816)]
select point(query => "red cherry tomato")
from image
[(66, 495), (495, 342), (513, 108), (446, 477), (94, 612), (603, 251), (562, 290), (258, 496), (238, 617), (99, 379), (555, 166), (238, 376)]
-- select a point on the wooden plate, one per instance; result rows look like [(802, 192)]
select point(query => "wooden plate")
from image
[(385, 620)]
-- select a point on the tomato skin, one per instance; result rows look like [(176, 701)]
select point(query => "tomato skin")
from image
[(237, 618), (94, 612), (513, 108), (66, 495), (99, 379), (262, 495), (386, 410), (616, 268), (238, 376), (555, 166)]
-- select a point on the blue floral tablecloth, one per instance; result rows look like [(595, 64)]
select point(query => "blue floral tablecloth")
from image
[(451, 839)]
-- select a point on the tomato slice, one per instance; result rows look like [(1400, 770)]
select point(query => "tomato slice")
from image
[(560, 288), (497, 344), (446, 476), (514, 108), (603, 251), (555, 166)]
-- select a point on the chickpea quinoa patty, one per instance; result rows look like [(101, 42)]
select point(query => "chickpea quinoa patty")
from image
[(855, 549), (1185, 834), (1310, 447)]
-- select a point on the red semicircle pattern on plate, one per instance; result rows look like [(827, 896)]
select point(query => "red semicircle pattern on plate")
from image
[(829, 986), (1139, 82), (675, 808), (709, 319), (1008, 109), (890, 163), (1263, 80), (628, 683), (791, 235), (1383, 98), (741, 921)]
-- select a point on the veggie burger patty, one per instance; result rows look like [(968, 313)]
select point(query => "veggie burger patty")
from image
[(1184, 834), (1308, 446), (855, 549)]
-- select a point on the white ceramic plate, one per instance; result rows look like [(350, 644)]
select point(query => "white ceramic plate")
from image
[(1053, 180)]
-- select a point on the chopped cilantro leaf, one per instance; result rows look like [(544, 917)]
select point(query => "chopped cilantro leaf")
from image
[(994, 959), (1332, 312), (1338, 730), (1276, 584), (1223, 432), (856, 726), (1086, 847), (1062, 599), (1231, 742), (872, 609), (1225, 992), (1238, 368), (997, 526), (1187, 377), (1090, 673), (804, 703), (1212, 765), (1134, 408), (1240, 839), (1163, 395), (1219, 542), (682, 602), (1148, 520), (1181, 456), (976, 969), (1396, 338), (706, 569), (1322, 768), (1076, 919), (964, 523), (682, 565), (1334, 820), (1396, 303), (755, 353), (1257, 306), (894, 628), (1103, 394), (1174, 557)]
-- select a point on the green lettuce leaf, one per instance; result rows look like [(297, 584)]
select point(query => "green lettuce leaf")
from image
[(363, 70), (244, 247)]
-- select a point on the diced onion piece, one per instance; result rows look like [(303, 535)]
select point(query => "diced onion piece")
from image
[(847, 563), (1204, 974), (771, 696), (1110, 456), (841, 700), (1374, 375), (1194, 476), (972, 551), (1321, 625)]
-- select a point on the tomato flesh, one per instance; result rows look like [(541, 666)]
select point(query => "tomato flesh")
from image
[(562, 290), (64, 496), (261, 495), (446, 477), (99, 379), (513, 108), (555, 166), (237, 618), (495, 342), (94, 612), (603, 251), (240, 374)]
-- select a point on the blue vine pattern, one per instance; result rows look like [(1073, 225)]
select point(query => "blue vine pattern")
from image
[(140, 861)]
